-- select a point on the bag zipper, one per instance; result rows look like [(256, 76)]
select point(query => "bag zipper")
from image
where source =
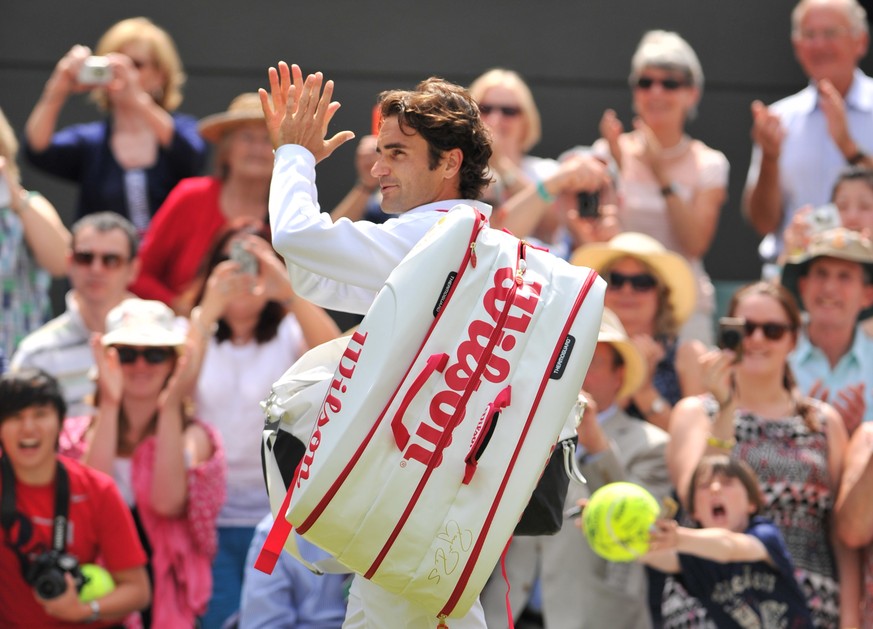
[(480, 540), (453, 422), (479, 223)]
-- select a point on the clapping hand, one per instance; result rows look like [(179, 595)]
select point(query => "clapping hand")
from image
[(299, 112), (110, 380), (767, 131)]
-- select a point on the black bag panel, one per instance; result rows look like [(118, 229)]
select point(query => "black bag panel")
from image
[(544, 513)]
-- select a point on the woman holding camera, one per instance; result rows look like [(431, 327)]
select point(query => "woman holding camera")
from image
[(200, 207), (672, 186), (129, 162), (526, 189), (168, 465), (252, 329), (754, 411)]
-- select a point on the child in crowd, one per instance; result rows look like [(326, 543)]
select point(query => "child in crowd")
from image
[(737, 564)]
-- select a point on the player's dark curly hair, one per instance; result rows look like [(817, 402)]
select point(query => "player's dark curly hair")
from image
[(446, 116)]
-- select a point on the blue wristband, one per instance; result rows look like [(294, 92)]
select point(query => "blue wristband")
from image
[(544, 194)]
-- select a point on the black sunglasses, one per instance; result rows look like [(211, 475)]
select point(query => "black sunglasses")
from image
[(153, 355), (772, 330), (640, 283), (109, 260), (505, 110), (671, 85)]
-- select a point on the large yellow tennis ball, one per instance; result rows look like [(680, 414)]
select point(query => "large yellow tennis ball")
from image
[(98, 582), (617, 519)]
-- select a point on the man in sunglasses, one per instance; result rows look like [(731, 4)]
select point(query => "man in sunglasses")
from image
[(101, 264), (833, 359), (802, 142)]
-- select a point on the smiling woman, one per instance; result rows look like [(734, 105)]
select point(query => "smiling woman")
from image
[(671, 186), (168, 465), (795, 444)]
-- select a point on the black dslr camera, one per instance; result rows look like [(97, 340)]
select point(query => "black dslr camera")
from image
[(46, 573)]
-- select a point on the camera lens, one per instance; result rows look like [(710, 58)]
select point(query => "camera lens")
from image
[(730, 339), (50, 584)]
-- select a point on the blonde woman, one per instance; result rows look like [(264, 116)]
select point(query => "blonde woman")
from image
[(672, 186), (128, 162)]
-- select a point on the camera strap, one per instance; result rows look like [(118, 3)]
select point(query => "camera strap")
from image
[(8, 513)]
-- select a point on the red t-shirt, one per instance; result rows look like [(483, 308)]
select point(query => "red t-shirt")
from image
[(100, 527)]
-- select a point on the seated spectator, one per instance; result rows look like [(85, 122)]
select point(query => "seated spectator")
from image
[(198, 208), (168, 465), (652, 291), (129, 162), (854, 520), (833, 360), (672, 186), (526, 189), (102, 263), (33, 245), (736, 564), (255, 329), (292, 597), (754, 411), (853, 197), (579, 589), (46, 498)]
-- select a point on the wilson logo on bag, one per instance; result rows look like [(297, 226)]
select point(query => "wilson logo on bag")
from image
[(443, 409)]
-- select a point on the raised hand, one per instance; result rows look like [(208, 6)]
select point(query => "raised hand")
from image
[(110, 380), (299, 113), (610, 129), (767, 130), (716, 372), (834, 109)]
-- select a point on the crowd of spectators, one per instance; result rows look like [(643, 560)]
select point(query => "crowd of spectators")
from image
[(180, 316)]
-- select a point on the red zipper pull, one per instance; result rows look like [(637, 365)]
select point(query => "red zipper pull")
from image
[(473, 254), (442, 624)]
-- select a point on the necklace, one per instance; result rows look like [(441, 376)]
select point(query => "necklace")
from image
[(677, 149)]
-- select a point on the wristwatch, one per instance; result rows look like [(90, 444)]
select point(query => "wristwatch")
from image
[(659, 405), (95, 611)]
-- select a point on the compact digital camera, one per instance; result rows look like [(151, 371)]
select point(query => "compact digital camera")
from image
[(46, 573), (731, 331), (95, 71), (824, 217)]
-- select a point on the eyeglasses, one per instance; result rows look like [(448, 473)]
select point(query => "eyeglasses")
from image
[(152, 355), (139, 64), (771, 329), (109, 260), (506, 111), (825, 34), (670, 85), (640, 283)]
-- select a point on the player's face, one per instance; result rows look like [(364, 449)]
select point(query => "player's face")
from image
[(404, 170)]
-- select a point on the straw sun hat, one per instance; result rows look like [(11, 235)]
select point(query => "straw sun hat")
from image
[(242, 109), (840, 243), (612, 332), (671, 269)]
